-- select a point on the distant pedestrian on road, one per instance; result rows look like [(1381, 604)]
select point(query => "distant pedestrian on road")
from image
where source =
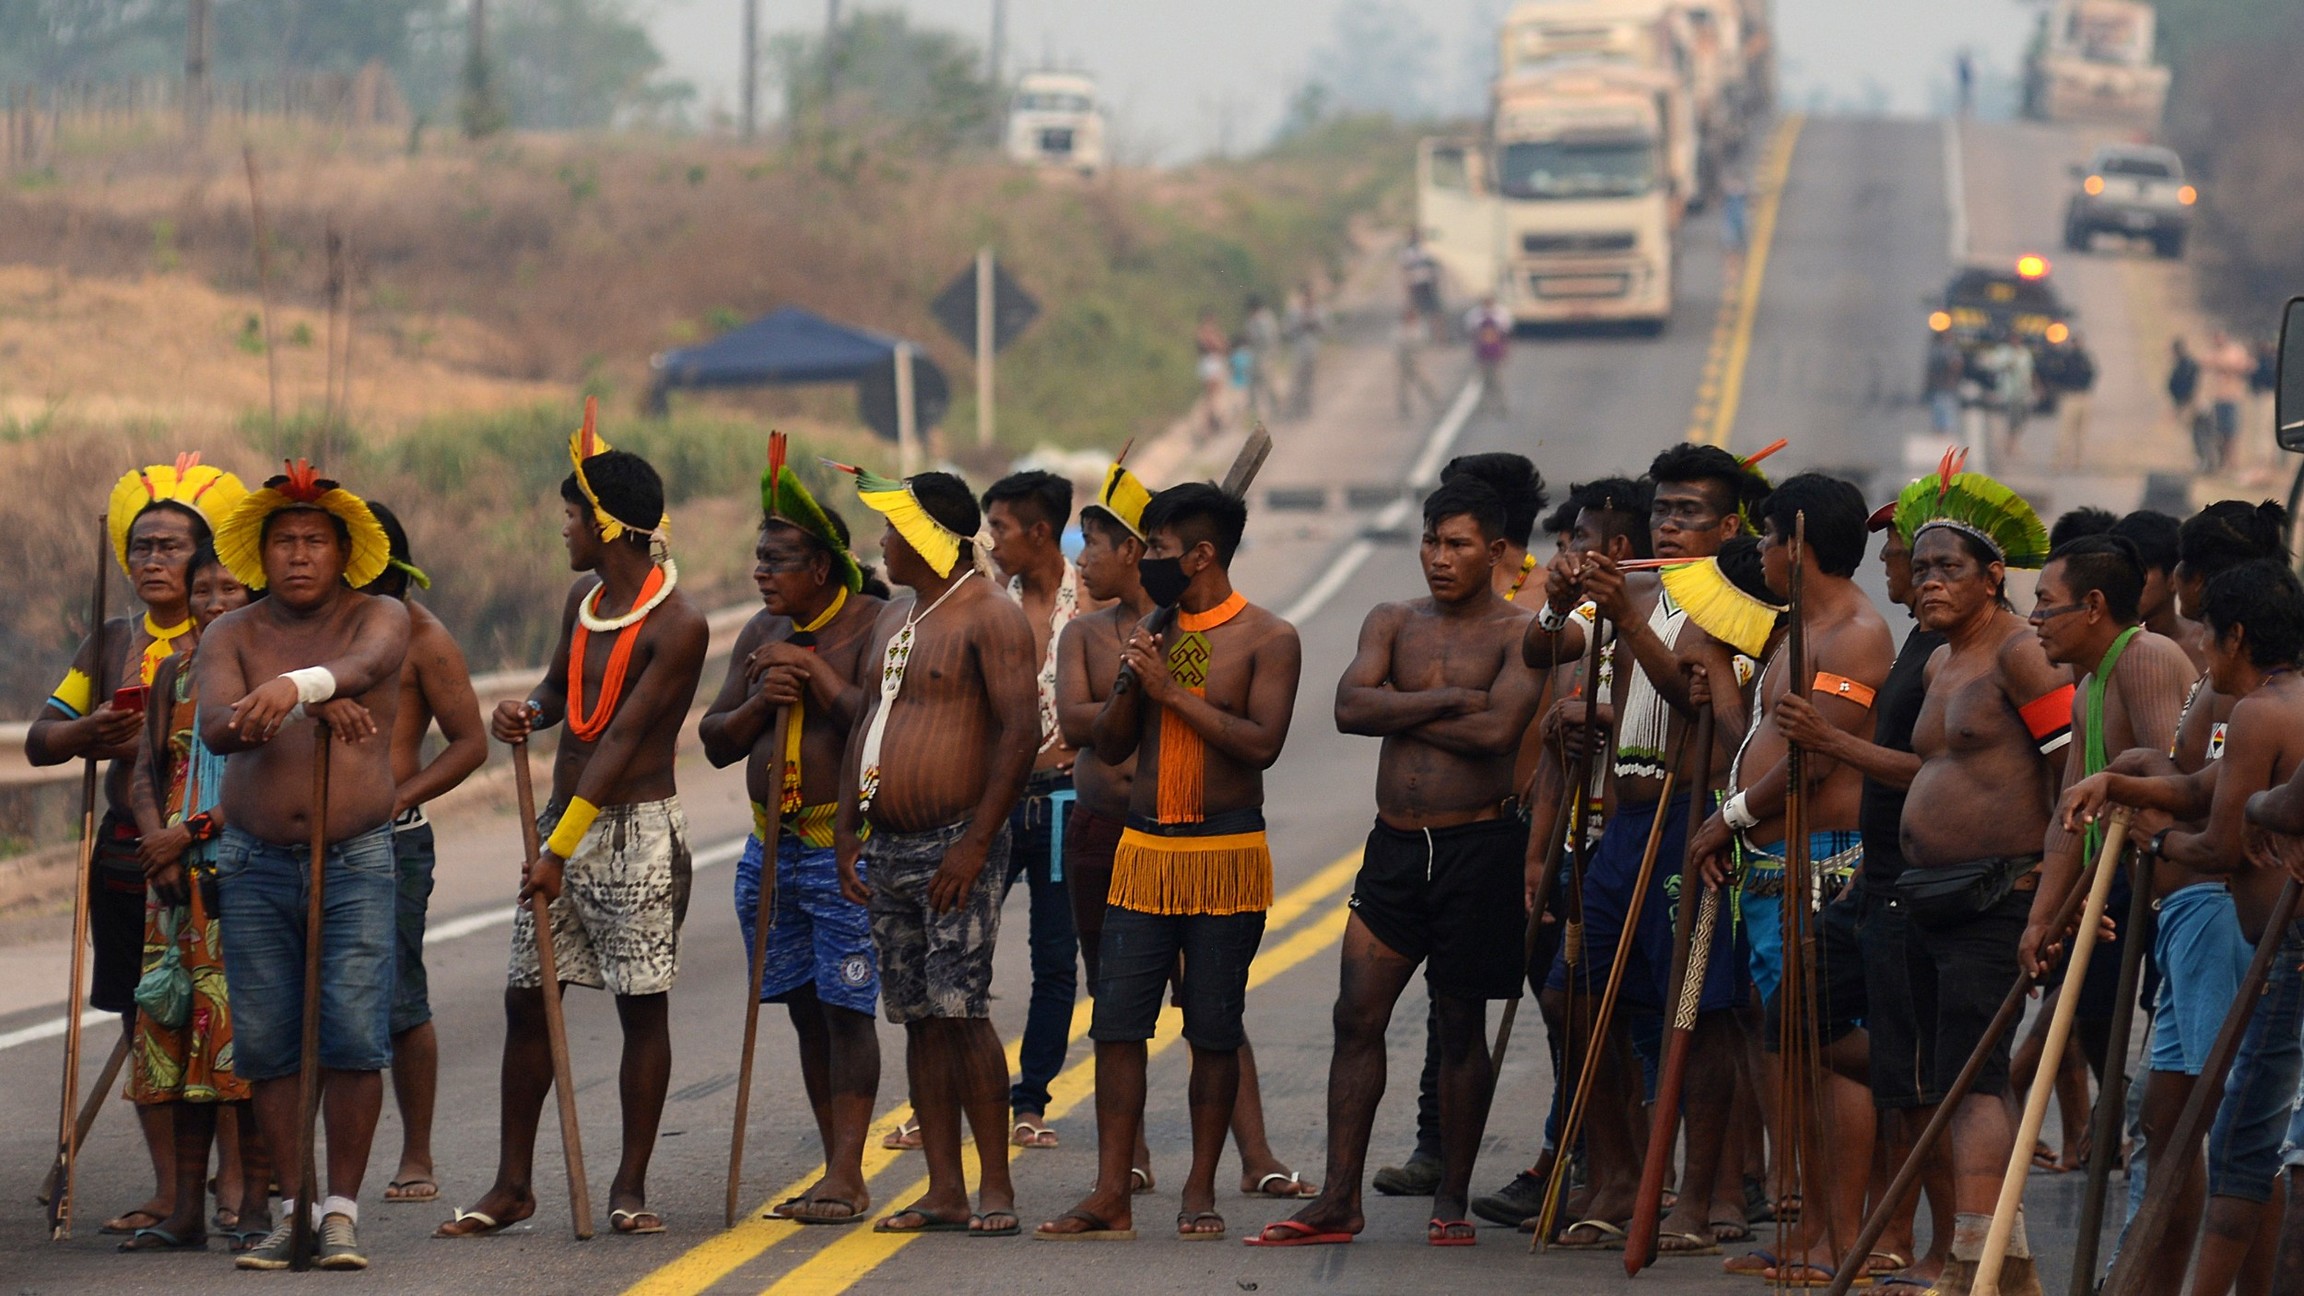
[(2070, 372), (2183, 399), (1420, 281), (1735, 227), (1214, 370), (1964, 71), (1491, 332), (1410, 335), (1302, 329), (1947, 369), (2013, 387), (1263, 330), (2228, 367)]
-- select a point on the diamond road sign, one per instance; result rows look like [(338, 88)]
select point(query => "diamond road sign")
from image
[(1013, 309)]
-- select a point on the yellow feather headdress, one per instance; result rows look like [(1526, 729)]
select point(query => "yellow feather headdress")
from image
[(1122, 496), (938, 545), (211, 492), (586, 442), (240, 535)]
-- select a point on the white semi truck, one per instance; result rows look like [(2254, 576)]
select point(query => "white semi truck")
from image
[(2093, 61), (1055, 121)]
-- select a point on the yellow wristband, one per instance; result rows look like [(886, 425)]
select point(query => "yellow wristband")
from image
[(575, 821)]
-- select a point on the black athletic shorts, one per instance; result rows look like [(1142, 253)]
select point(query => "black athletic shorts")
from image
[(1452, 899), (1885, 931), (1841, 996), (1960, 973), (116, 916)]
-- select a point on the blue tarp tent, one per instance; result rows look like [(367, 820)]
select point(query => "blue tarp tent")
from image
[(791, 347)]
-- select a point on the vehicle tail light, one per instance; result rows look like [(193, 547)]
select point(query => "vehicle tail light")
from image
[(1939, 321), (2057, 334), (2032, 266), (2187, 195), (2093, 185)]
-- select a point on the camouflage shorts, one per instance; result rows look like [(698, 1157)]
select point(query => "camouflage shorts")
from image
[(616, 925), (933, 964)]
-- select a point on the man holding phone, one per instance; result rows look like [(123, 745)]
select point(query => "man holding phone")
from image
[(158, 515)]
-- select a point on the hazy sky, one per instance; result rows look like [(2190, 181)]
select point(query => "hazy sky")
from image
[(1181, 75)]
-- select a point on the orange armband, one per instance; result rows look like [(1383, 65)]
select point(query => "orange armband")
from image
[(2048, 718), (1840, 686)]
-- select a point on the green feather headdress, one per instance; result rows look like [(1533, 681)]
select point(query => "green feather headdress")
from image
[(1976, 505), (784, 498)]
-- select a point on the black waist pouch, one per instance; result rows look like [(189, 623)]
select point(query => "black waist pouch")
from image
[(1948, 896)]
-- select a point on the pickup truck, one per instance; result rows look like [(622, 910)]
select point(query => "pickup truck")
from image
[(2133, 190)]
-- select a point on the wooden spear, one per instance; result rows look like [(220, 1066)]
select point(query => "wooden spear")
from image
[(763, 920), (67, 1128), (555, 1019), (2112, 1099), (308, 1062)]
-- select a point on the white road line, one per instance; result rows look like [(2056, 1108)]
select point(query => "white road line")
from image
[(1955, 194), (1353, 556), (455, 929)]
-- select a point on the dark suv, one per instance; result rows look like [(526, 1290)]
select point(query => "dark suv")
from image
[(1982, 304)]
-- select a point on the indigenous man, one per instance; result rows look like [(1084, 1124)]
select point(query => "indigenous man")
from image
[(614, 863), (157, 515), (1438, 679), (1088, 661), (2254, 615), (1701, 495), (1847, 654), (1520, 488), (1882, 927), (434, 685), (805, 650), (1026, 514), (1204, 705), (934, 766), (312, 640), (2158, 541), (1990, 738)]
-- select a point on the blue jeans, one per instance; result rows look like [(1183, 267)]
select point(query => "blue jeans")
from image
[(1055, 946), (2260, 1092), (264, 894), (1944, 412), (413, 854)]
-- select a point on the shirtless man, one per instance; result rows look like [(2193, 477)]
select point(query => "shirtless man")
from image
[(1848, 651), (434, 685), (1520, 488), (1204, 707), (805, 650), (158, 516), (2158, 541), (1439, 680), (1990, 740), (313, 645), (614, 863), (2254, 617), (1699, 498), (1026, 514), (935, 763), (1088, 661)]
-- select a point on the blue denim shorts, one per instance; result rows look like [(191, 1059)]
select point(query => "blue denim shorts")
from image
[(817, 936), (413, 852), (262, 885), (2198, 942), (2260, 1094)]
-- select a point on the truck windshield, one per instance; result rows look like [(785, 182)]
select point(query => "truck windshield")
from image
[(1602, 168)]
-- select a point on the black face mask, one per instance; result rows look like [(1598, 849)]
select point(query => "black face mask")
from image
[(1164, 579)]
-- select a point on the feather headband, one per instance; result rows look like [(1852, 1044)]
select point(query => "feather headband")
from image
[(1974, 505)]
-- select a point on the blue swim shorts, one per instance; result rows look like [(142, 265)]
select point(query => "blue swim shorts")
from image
[(817, 937)]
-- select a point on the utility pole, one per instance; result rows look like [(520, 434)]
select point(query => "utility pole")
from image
[(831, 57), (751, 45), (984, 286), (999, 40), (196, 73)]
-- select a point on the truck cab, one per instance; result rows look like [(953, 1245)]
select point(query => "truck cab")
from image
[(1643, 43), (2092, 61), (1054, 121)]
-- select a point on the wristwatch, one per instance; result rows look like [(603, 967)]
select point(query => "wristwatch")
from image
[(2157, 848)]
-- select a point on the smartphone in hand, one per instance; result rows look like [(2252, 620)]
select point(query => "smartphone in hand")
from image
[(130, 698)]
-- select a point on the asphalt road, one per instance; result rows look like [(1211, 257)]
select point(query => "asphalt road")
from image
[(1829, 358)]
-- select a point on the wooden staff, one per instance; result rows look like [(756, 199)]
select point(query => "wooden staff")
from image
[(308, 1062), (2112, 1100), (1853, 1260), (68, 1128), (1987, 1280), (1579, 855), (1543, 895), (555, 1021), (1596, 1040), (88, 1109), (763, 918), (1689, 965), (2145, 1231)]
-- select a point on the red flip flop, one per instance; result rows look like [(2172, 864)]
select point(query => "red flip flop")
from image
[(1291, 1234), (1442, 1232)]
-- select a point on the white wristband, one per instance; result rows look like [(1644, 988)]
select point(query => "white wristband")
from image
[(1738, 815), (1552, 621), (313, 684)]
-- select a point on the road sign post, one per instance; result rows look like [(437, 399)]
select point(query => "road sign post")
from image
[(984, 340), (984, 310), (907, 427)]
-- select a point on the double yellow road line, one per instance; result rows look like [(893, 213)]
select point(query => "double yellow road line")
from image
[(858, 1250)]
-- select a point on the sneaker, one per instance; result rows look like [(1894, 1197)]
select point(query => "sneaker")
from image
[(339, 1245), (1514, 1204), (1419, 1178), (276, 1251)]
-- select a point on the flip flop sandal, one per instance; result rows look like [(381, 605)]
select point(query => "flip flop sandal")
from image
[(1895, 1262), (1697, 1244), (1738, 1230), (929, 1223), (242, 1240), (783, 1209), (1028, 1133), (125, 1225), (1294, 1233), (617, 1219), (854, 1216), (1142, 1180), (904, 1138), (977, 1228), (1098, 1230), (1188, 1230), (1806, 1276), (1751, 1264), (1444, 1233), (1291, 1186), (160, 1239), (393, 1191), (1611, 1237), (225, 1221), (464, 1224)]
